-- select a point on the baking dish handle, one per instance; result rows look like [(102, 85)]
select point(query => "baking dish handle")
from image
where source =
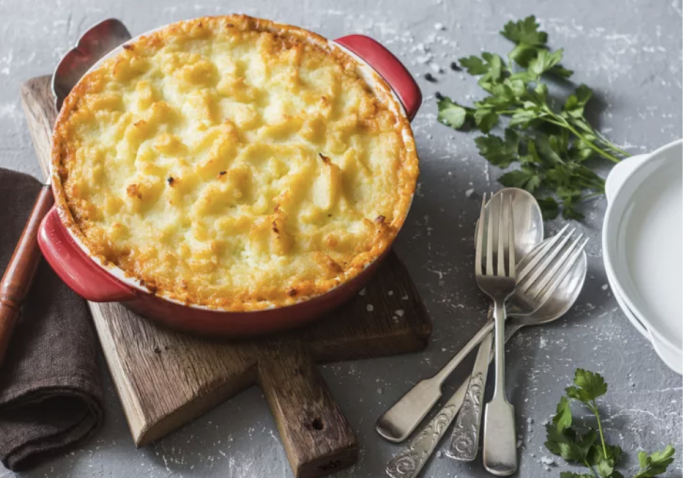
[(389, 67), (74, 267)]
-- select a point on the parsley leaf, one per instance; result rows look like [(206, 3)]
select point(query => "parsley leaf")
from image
[(552, 140), (474, 65), (656, 463), (525, 31), (575, 104), (562, 443), (564, 416), (544, 61), (486, 119), (497, 151), (588, 386), (525, 178), (450, 113), (549, 208), (587, 446)]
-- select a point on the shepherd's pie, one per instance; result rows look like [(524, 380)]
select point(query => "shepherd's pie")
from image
[(234, 163)]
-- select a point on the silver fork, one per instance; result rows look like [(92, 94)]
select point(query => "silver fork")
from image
[(411, 460), (530, 294), (500, 451)]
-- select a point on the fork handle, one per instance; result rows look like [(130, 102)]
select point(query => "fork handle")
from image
[(410, 461), (399, 421), (500, 442), (500, 350)]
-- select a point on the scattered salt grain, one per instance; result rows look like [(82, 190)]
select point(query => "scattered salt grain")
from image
[(545, 460), (469, 192), (390, 292), (379, 390), (519, 443), (363, 291), (405, 297), (439, 26), (435, 67), (605, 287), (370, 308), (399, 312)]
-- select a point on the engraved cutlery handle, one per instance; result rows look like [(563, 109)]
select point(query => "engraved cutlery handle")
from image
[(399, 421), (464, 442), (410, 462), (412, 459)]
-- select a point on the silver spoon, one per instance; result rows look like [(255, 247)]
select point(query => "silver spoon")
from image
[(399, 421), (563, 289), (92, 46), (464, 443)]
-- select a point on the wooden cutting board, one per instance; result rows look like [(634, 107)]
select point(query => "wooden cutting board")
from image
[(166, 378)]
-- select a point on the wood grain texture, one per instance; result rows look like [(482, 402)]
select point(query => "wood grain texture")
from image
[(165, 378), (39, 107), (316, 435)]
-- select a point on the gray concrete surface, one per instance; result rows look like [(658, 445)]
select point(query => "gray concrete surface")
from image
[(628, 51)]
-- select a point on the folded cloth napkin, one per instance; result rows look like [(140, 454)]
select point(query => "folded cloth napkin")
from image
[(50, 387)]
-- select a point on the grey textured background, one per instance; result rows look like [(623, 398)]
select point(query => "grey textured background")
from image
[(628, 51)]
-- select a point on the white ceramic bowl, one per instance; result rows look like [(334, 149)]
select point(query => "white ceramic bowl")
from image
[(642, 246)]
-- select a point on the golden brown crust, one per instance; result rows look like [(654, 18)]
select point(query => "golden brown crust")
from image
[(119, 164)]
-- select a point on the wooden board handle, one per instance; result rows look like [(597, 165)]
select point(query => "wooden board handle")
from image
[(317, 438), (16, 281)]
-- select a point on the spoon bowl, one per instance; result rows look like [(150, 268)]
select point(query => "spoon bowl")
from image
[(527, 221), (399, 421), (91, 47), (561, 293)]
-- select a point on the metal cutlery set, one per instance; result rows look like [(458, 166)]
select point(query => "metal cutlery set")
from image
[(531, 281)]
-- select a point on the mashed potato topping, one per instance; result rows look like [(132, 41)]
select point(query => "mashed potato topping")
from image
[(234, 163)]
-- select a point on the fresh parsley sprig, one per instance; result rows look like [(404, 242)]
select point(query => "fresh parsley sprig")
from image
[(587, 446), (551, 142)]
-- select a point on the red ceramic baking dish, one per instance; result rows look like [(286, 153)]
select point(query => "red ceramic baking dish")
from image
[(97, 282)]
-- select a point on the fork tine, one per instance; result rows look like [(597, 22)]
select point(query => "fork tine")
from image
[(490, 240), (553, 267), (511, 241), (533, 263), (573, 257), (480, 240), (545, 263), (501, 249)]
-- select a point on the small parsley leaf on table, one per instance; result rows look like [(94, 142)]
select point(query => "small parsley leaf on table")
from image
[(450, 113), (551, 141), (656, 463), (579, 444)]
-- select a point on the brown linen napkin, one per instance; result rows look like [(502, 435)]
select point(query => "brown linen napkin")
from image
[(50, 388)]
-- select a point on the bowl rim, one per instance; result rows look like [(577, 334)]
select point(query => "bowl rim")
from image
[(610, 222), (369, 74)]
